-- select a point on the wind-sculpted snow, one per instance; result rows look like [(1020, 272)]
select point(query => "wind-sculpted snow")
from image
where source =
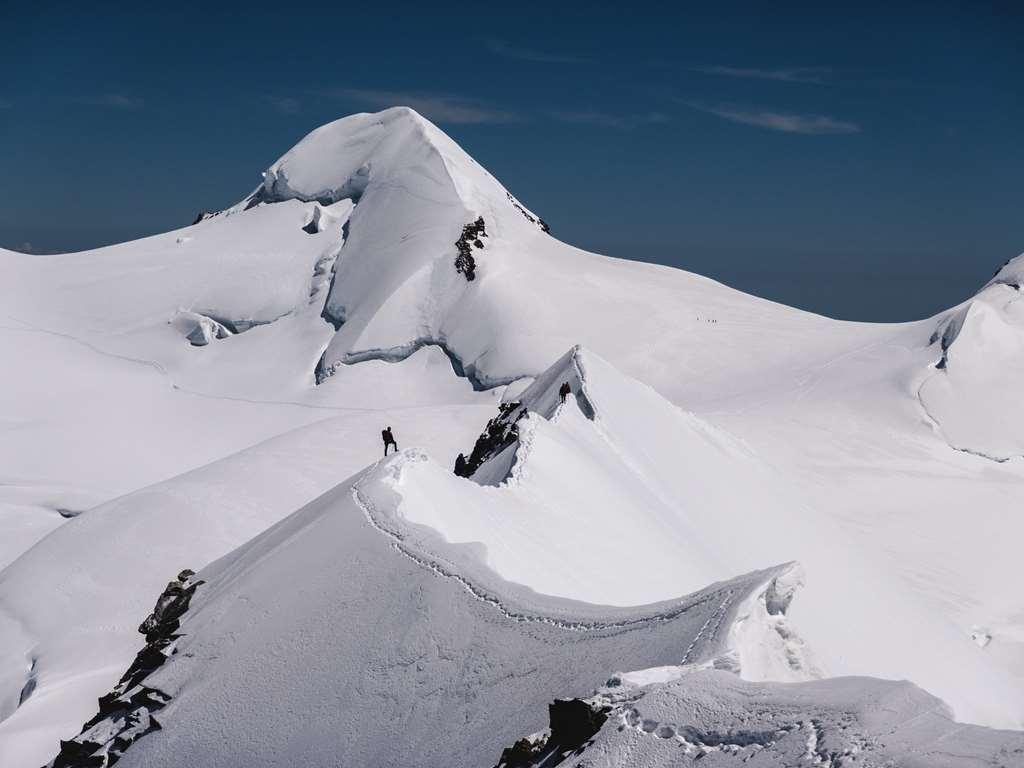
[(617, 474), (343, 636), (493, 456), (686, 716), (974, 397)]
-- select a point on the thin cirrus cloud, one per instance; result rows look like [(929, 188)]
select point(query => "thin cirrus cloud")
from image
[(607, 120), (439, 107), (815, 75), (508, 51), (286, 105), (114, 101), (786, 122)]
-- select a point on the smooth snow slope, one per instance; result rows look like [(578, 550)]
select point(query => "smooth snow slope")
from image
[(346, 252)]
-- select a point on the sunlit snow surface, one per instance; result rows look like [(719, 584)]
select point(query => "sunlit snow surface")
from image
[(160, 408)]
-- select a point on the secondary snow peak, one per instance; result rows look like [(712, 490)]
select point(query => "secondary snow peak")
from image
[(973, 398)]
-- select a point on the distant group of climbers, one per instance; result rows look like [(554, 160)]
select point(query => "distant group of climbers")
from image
[(461, 463)]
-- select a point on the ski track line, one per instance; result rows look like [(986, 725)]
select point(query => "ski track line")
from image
[(398, 542)]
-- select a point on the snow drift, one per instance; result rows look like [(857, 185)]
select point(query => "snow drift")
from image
[(619, 496)]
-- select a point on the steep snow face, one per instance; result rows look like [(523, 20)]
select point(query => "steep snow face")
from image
[(618, 496), (414, 191), (345, 636), (396, 285), (974, 397)]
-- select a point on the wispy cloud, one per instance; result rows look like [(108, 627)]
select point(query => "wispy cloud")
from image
[(114, 101), (787, 122), (606, 120), (439, 107), (287, 105), (784, 75), (502, 48)]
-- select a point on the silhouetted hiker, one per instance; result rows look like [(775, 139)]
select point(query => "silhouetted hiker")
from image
[(460, 465), (564, 390), (389, 440)]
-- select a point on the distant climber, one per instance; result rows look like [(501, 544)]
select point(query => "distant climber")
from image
[(564, 390), (389, 440), (460, 465)]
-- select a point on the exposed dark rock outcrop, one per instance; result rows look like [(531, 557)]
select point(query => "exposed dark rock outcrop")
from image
[(127, 712), (500, 432), (572, 723), (470, 238), (529, 217)]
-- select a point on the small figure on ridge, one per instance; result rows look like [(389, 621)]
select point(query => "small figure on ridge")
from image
[(389, 440), (564, 390)]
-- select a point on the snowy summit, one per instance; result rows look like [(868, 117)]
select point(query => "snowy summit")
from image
[(686, 524)]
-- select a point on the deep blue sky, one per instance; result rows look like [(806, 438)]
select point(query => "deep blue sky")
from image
[(866, 163)]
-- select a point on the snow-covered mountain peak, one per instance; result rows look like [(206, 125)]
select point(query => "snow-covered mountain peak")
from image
[(972, 399), (394, 147), (1011, 273)]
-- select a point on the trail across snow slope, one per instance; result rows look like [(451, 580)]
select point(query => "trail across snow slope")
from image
[(643, 499), (342, 637)]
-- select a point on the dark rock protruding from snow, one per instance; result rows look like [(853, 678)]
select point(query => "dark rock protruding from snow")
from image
[(543, 398), (571, 724), (126, 713), (204, 215), (574, 722), (172, 603), (470, 238), (529, 217), (499, 434)]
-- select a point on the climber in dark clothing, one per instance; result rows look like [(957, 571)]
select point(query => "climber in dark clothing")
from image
[(389, 440), (564, 390), (460, 465)]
